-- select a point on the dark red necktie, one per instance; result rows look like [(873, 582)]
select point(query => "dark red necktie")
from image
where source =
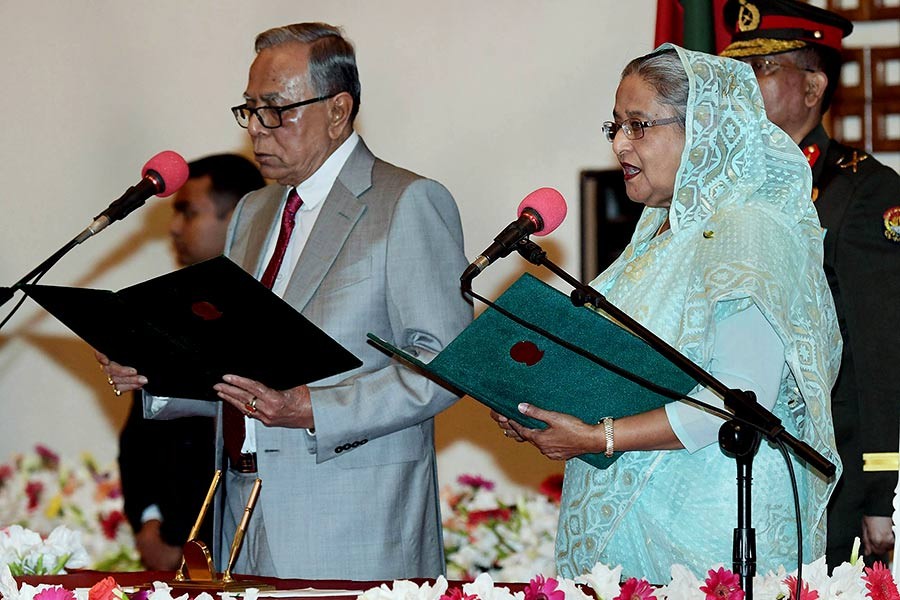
[(232, 418)]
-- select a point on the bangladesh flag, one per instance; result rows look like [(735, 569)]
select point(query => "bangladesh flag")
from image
[(694, 24)]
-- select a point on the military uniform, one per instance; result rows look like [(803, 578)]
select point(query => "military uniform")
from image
[(855, 196), (858, 201)]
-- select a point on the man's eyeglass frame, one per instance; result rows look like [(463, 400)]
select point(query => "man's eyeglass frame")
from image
[(767, 66), (274, 110)]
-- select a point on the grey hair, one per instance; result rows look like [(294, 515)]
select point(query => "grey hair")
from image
[(332, 60), (665, 73)]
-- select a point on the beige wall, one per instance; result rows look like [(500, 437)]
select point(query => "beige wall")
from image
[(492, 98)]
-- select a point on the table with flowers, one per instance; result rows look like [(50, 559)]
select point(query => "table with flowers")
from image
[(59, 516)]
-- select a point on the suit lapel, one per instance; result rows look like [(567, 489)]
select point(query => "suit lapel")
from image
[(340, 213), (261, 213)]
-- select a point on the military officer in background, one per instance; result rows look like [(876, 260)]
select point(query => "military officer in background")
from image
[(795, 51)]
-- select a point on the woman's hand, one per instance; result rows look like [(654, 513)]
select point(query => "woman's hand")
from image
[(565, 436)]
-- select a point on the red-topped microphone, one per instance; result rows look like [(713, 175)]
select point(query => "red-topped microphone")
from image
[(162, 176), (540, 212)]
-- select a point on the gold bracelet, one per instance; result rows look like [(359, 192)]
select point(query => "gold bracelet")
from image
[(608, 430)]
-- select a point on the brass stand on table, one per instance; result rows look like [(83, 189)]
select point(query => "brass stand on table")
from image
[(197, 569)]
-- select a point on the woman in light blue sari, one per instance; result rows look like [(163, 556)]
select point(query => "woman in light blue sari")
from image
[(724, 265)]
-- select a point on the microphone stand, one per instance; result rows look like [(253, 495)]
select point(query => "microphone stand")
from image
[(735, 437), (6, 293)]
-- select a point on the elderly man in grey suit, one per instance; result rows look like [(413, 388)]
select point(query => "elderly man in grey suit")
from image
[(349, 487)]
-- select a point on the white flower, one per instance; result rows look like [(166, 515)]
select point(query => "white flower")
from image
[(603, 580), (684, 586), (64, 543), (571, 589), (771, 585), (483, 587), (846, 582), (407, 590)]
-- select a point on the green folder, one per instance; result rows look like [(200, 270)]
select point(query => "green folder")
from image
[(500, 362)]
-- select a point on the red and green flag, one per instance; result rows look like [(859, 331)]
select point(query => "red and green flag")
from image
[(694, 24)]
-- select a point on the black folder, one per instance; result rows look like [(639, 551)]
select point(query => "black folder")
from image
[(186, 329)]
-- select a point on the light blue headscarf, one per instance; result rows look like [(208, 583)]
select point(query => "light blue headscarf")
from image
[(743, 230)]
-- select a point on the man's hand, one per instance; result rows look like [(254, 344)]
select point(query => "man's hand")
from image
[(877, 535), (155, 553), (121, 378), (274, 408)]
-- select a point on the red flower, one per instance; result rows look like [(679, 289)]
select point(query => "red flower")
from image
[(55, 593), (477, 517), (33, 490), (104, 590), (552, 487), (110, 523), (49, 458), (476, 482), (805, 592), (722, 584), (880, 583), (5, 472), (543, 589), (635, 589), (458, 594)]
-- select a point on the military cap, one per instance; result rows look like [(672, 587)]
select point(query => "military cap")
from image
[(762, 27)]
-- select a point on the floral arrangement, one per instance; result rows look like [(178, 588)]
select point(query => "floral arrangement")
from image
[(849, 582), (40, 492), (508, 536), (25, 552)]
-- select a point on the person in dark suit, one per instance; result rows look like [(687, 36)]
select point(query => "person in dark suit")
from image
[(166, 466), (795, 50)]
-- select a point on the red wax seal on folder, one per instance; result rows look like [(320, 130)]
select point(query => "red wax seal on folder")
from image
[(206, 310), (527, 353)]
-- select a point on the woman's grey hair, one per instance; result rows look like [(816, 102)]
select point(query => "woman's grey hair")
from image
[(663, 70), (332, 60)]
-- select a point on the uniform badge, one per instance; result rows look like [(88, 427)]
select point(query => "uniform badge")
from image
[(892, 224), (748, 16), (812, 154), (853, 163)]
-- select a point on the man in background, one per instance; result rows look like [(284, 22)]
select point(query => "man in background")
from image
[(357, 246), (166, 466), (795, 50)]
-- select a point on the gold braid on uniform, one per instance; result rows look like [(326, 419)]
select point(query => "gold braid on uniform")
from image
[(761, 46)]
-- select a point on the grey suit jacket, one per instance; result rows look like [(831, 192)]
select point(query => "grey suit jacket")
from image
[(358, 499)]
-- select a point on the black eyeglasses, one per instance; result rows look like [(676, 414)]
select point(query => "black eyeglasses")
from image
[(634, 129), (764, 67), (270, 116)]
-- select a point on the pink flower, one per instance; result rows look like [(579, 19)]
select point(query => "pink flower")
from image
[(104, 590), (55, 593), (477, 517), (49, 458), (543, 589), (458, 594), (474, 481), (805, 592), (880, 583), (33, 490), (635, 589), (552, 487), (722, 585), (110, 523)]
